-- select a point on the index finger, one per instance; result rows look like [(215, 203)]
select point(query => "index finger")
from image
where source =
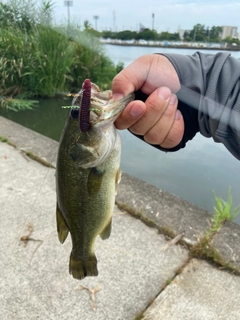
[(147, 73), (131, 78)]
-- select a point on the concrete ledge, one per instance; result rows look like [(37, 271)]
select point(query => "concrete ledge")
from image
[(28, 140), (227, 243), (199, 292), (157, 208)]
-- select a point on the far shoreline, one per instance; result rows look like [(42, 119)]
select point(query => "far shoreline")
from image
[(200, 47)]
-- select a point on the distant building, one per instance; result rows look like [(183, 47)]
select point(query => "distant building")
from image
[(229, 31), (141, 27)]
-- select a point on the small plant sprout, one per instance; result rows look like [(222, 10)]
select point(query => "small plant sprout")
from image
[(223, 210)]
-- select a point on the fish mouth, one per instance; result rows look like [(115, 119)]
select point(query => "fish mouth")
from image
[(107, 110), (103, 109)]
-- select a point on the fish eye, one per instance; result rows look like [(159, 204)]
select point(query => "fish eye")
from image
[(74, 113)]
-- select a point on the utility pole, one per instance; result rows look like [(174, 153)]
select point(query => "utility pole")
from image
[(153, 16), (96, 19), (68, 4), (195, 33), (114, 21)]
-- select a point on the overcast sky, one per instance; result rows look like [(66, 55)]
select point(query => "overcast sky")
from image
[(169, 14)]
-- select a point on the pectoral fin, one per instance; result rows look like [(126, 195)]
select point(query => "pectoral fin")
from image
[(117, 179), (95, 180), (105, 234), (62, 228)]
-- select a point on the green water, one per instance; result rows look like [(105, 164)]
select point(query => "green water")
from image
[(47, 118)]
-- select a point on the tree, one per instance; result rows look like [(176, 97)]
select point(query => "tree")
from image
[(198, 33), (215, 34), (169, 36), (107, 34), (125, 35), (186, 36), (231, 40), (90, 30), (147, 34)]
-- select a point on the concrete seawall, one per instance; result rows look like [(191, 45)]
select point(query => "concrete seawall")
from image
[(158, 210)]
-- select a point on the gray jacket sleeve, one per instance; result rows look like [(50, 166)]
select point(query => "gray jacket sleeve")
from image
[(211, 85)]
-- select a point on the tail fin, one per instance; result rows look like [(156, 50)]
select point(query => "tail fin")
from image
[(80, 269)]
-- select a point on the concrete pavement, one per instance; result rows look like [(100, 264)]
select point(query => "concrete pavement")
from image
[(142, 273)]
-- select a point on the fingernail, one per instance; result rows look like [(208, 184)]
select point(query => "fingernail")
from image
[(117, 96), (164, 93), (136, 111), (178, 115), (173, 99)]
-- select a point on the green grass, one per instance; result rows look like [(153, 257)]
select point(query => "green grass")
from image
[(47, 61), (223, 211), (3, 139), (90, 60), (52, 58), (40, 60), (15, 104)]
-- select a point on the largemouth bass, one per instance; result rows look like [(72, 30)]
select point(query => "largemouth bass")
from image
[(87, 175)]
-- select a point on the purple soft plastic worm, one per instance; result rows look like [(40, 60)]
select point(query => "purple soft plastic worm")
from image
[(85, 106)]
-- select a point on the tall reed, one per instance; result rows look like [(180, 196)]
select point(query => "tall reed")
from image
[(53, 58), (38, 60), (14, 60), (90, 60)]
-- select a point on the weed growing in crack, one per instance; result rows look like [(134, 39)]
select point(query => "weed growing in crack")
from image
[(223, 211)]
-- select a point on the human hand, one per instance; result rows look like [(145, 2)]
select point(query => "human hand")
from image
[(157, 119)]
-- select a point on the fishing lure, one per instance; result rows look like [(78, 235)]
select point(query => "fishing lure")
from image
[(84, 113)]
